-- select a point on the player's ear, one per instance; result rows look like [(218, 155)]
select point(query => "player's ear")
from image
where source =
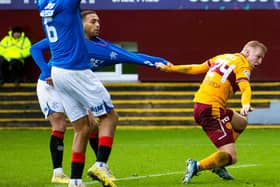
[(246, 52)]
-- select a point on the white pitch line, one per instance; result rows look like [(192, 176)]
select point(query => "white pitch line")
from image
[(162, 174), (244, 166), (150, 175)]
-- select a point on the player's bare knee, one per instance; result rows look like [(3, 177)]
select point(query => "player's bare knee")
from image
[(230, 150), (113, 117), (58, 121), (233, 158)]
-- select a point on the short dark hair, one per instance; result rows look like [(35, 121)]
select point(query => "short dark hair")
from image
[(84, 13), (16, 29)]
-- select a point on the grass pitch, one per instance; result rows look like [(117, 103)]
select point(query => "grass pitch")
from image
[(143, 158)]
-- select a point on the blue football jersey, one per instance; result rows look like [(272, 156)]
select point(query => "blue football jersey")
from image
[(63, 27), (102, 53)]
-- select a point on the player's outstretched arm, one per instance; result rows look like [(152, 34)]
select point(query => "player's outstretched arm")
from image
[(149, 60), (192, 69), (104, 53)]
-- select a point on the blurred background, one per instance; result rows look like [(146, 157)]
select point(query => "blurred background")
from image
[(182, 31)]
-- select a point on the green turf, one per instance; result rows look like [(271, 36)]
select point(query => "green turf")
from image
[(143, 158)]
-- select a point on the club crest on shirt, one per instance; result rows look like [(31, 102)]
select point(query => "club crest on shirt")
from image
[(247, 74), (55, 105), (149, 63), (113, 55)]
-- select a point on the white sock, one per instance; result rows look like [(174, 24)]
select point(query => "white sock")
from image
[(100, 164), (76, 181), (57, 171)]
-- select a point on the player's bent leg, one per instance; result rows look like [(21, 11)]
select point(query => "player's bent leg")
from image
[(238, 122), (215, 160), (223, 173), (231, 151)]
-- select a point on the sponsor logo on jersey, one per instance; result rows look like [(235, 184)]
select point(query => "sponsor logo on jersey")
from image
[(247, 74), (149, 63), (225, 120), (96, 62), (48, 10), (98, 109)]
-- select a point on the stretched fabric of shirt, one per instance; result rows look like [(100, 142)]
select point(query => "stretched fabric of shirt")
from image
[(101, 53)]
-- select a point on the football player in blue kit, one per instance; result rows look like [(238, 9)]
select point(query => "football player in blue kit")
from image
[(100, 54), (74, 81)]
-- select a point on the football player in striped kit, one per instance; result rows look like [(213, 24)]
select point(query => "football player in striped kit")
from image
[(225, 74)]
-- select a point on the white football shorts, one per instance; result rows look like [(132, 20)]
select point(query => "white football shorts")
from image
[(49, 99), (80, 92)]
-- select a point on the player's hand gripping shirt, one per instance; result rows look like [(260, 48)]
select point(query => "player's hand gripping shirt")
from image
[(221, 81), (63, 27)]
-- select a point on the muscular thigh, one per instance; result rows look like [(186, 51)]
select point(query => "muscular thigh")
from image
[(215, 122), (238, 121)]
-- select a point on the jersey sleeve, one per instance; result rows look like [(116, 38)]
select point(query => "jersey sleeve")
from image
[(151, 59), (243, 74), (191, 69), (36, 51), (243, 70), (103, 53), (245, 89), (124, 56)]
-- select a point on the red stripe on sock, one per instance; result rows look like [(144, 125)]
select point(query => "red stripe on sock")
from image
[(58, 134), (78, 157), (92, 136), (105, 141)]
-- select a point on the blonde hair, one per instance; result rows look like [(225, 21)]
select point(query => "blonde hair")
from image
[(255, 44)]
